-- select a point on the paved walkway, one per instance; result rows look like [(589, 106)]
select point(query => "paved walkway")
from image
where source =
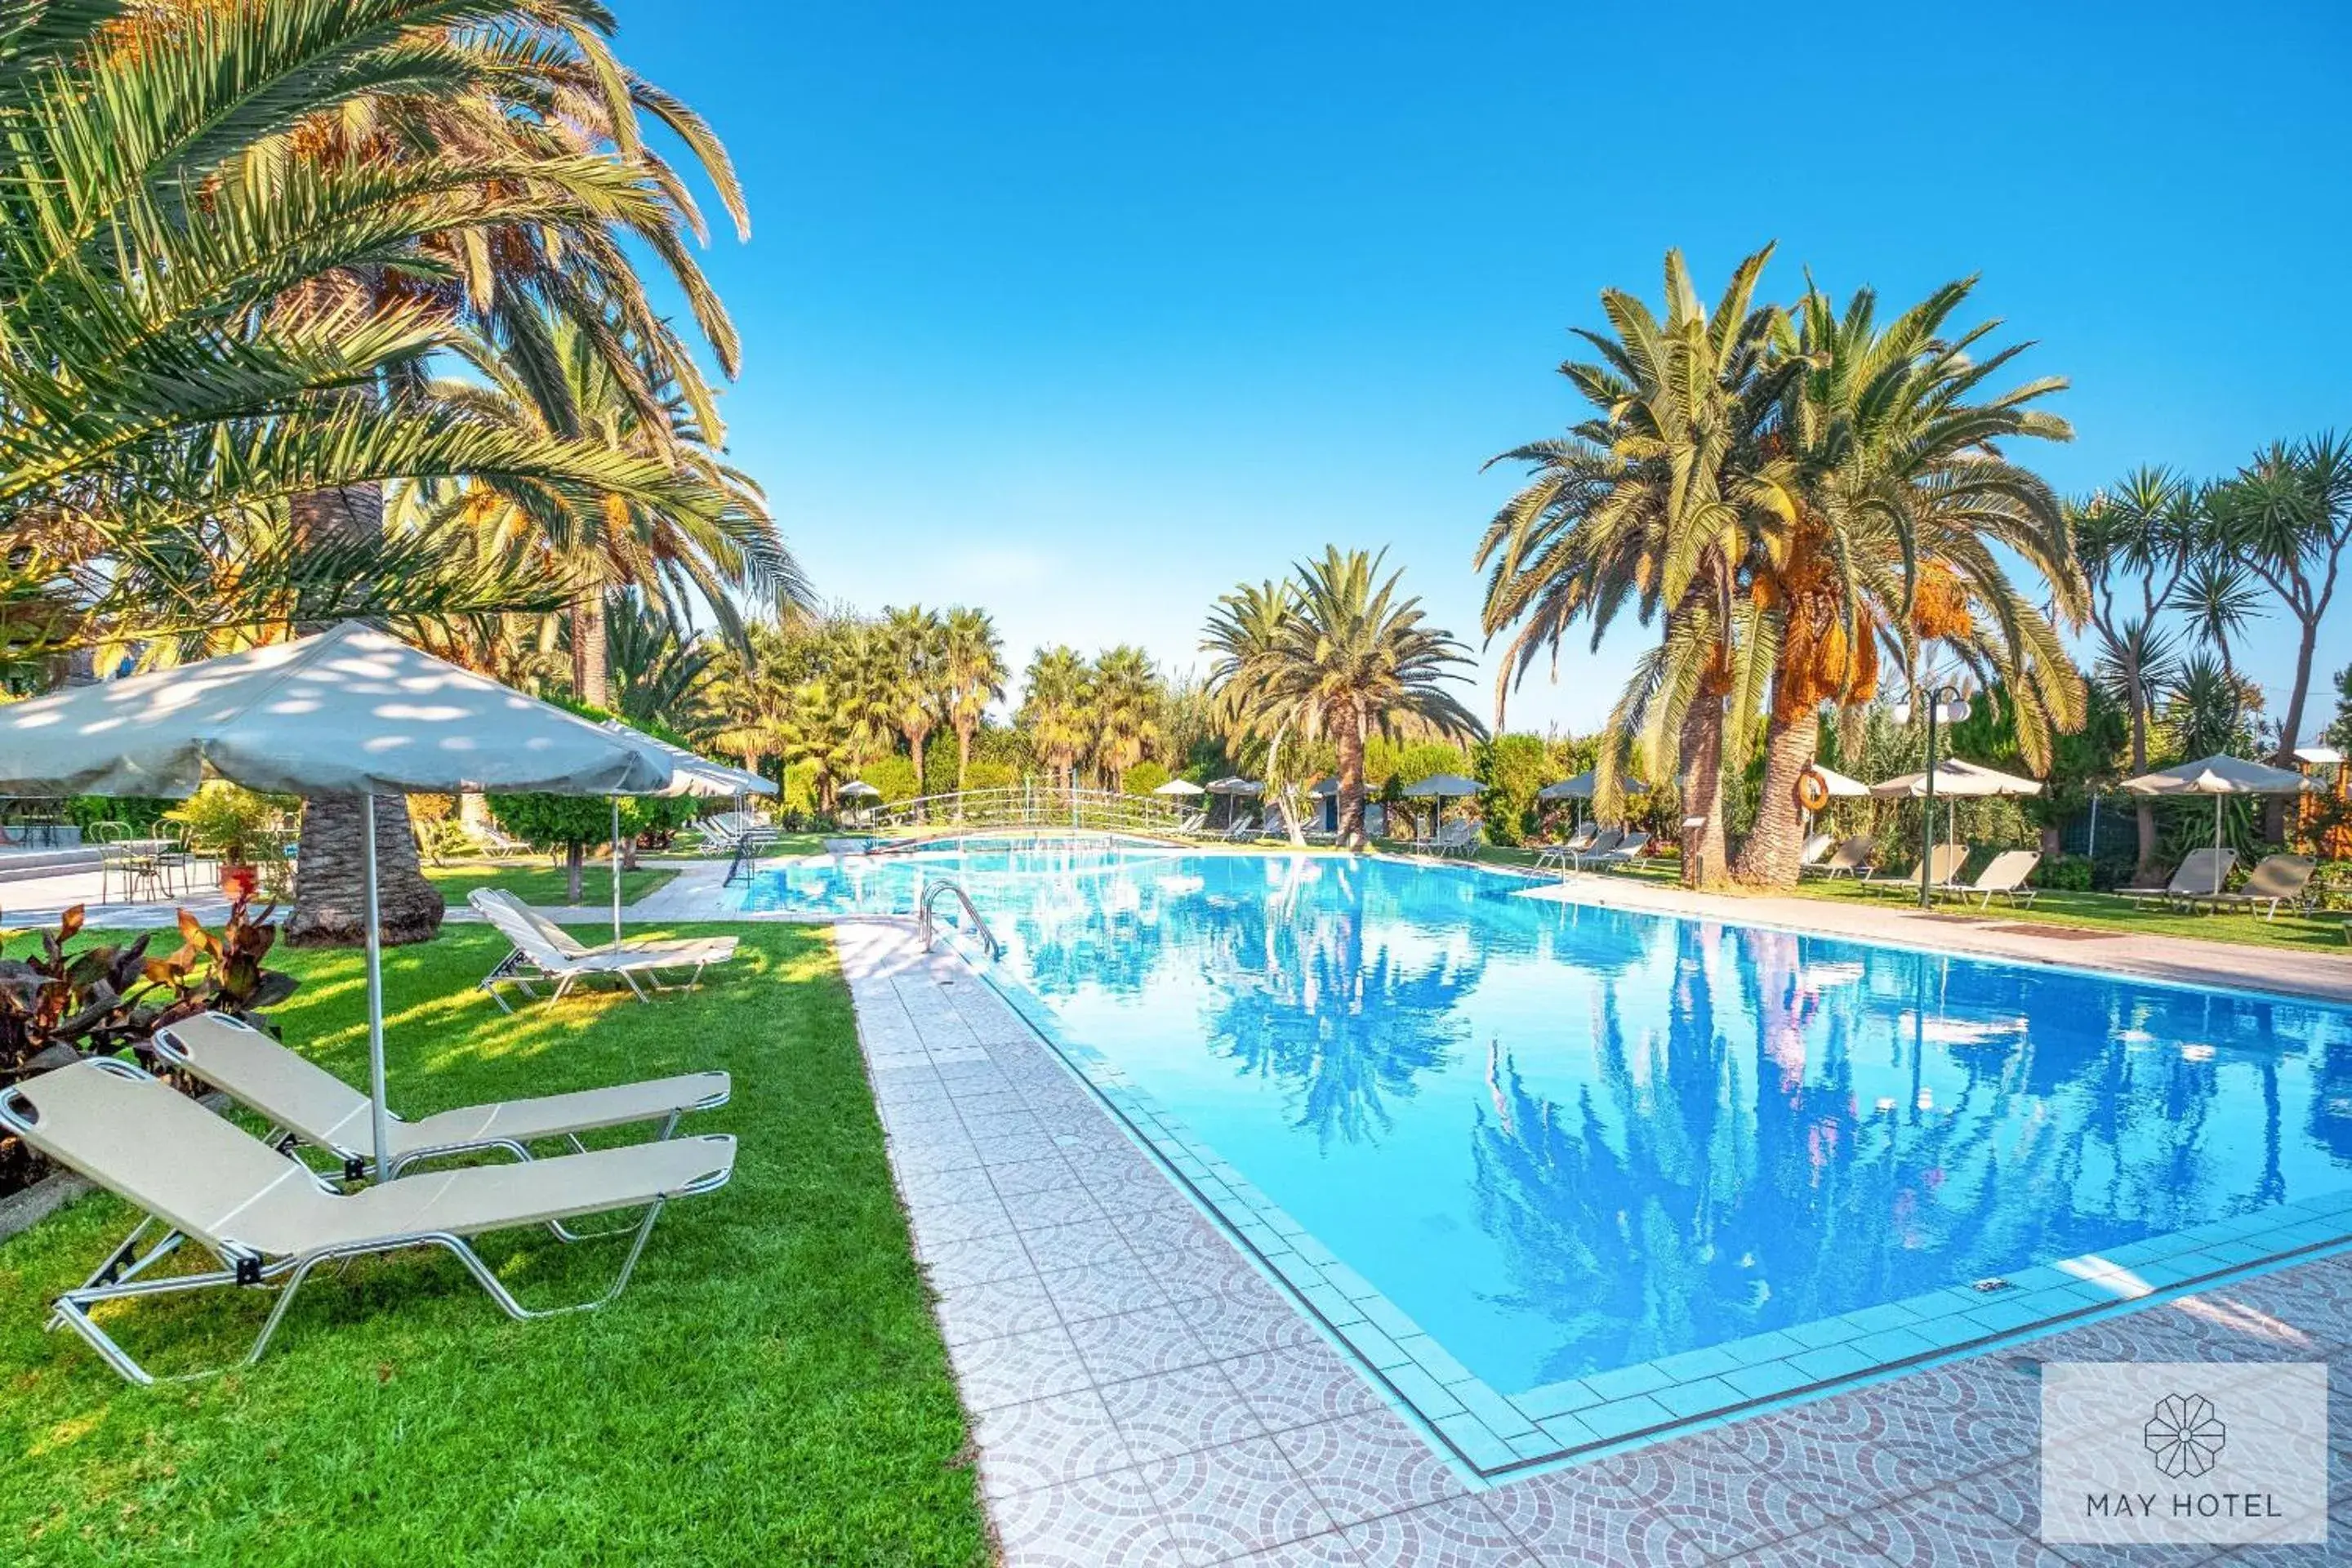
[(1141, 1394)]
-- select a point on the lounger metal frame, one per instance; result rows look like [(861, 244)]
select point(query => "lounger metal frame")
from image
[(118, 1279), (519, 970)]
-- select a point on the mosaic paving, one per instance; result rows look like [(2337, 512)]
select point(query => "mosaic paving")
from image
[(1141, 1393)]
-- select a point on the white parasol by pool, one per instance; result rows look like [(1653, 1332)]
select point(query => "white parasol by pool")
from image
[(691, 773), (1179, 787), (2220, 776), (349, 711)]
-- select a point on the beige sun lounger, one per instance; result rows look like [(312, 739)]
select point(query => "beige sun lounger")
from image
[(270, 1220), (1562, 854), (545, 950), (1624, 852), (2279, 880), (2004, 877), (1944, 863), (1850, 858), (2199, 876), (304, 1103)]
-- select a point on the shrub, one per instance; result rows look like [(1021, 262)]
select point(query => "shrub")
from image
[(137, 812), (1513, 768), (239, 825), (566, 822), (2063, 874), (895, 777), (58, 1005), (1143, 778)]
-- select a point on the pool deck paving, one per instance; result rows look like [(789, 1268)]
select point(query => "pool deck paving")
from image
[(1141, 1392)]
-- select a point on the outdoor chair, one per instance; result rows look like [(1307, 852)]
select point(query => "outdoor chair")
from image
[(1852, 859), (2200, 875), (1244, 828), (269, 1220), (304, 1103), (498, 845), (1944, 863), (1814, 851), (1624, 852), (538, 955), (1605, 842), (2279, 880), (137, 872), (1562, 853), (2003, 878)]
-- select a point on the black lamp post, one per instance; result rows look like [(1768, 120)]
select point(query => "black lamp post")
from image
[(1950, 704)]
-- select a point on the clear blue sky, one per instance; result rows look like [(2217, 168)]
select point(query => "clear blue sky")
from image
[(1084, 312)]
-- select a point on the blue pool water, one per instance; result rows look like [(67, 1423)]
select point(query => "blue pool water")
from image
[(1562, 1139)]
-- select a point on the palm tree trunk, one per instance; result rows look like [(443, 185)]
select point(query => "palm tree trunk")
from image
[(591, 677), (1351, 738), (2148, 846), (1702, 765), (1769, 856), (2274, 809), (330, 879)]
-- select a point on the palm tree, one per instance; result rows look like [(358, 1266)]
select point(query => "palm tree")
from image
[(1054, 710), (658, 678), (723, 550), (2136, 543), (1125, 699), (917, 640), (1906, 509), (2288, 517), (1354, 656), (972, 666), (1244, 631), (218, 287), (1651, 504)]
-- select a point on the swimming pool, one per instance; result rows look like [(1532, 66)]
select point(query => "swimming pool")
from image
[(1561, 1175)]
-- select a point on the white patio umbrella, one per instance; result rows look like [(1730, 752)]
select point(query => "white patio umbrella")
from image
[(1179, 787), (2220, 776), (349, 711), (690, 775), (1441, 788), (1953, 778), (1232, 787)]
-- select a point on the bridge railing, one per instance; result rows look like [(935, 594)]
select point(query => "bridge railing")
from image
[(1034, 806)]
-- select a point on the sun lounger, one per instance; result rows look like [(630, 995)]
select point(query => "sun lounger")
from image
[(496, 845), (2004, 877), (566, 962), (1562, 854), (1242, 828), (1852, 859), (1814, 851), (681, 950), (1602, 843), (270, 1220), (1624, 852), (2200, 875), (1459, 837), (305, 1103), (1944, 863), (2279, 880)]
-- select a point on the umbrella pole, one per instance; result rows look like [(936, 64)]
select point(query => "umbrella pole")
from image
[(2217, 846), (381, 1116), (616, 873)]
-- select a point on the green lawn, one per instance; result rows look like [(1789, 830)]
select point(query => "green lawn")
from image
[(535, 882), (770, 1389)]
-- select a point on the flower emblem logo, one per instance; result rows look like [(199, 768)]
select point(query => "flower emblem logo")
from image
[(2185, 1435)]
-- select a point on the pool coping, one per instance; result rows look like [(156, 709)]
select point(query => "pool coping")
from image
[(1490, 1437)]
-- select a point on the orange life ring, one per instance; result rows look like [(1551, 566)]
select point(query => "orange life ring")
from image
[(1812, 790)]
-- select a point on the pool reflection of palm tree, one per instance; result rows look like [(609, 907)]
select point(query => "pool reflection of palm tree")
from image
[(1341, 1029), (1693, 1195)]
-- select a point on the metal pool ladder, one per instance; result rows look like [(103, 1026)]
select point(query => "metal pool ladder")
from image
[(926, 918)]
